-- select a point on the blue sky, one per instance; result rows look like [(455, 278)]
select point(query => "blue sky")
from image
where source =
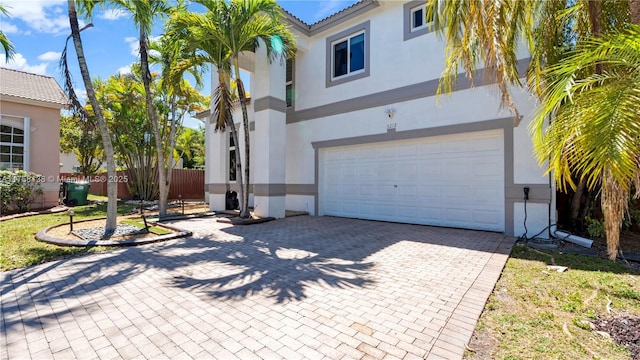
[(38, 29)]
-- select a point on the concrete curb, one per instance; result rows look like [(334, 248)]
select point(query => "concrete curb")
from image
[(42, 236)]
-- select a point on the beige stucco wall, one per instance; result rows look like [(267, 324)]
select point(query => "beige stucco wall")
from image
[(44, 152)]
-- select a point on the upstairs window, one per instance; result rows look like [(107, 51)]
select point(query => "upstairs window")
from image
[(11, 148), (289, 83), (348, 55), (418, 19), (415, 19)]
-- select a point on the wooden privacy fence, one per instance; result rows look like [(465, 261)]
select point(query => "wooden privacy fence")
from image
[(188, 183)]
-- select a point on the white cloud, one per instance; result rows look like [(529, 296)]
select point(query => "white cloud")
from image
[(50, 56), (46, 16), (8, 28), (82, 95), (134, 45), (20, 63), (112, 14), (124, 70)]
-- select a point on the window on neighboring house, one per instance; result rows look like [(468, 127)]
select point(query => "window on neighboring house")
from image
[(348, 55), (232, 158), (415, 20), (11, 148), (289, 83)]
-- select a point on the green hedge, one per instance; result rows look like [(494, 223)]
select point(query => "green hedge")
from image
[(18, 190)]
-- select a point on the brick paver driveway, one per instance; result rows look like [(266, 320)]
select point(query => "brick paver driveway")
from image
[(301, 287)]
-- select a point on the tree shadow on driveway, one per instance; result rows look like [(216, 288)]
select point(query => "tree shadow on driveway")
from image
[(279, 259)]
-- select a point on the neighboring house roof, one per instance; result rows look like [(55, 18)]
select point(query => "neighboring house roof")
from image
[(26, 87), (356, 9)]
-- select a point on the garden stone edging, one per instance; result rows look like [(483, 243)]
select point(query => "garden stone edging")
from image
[(42, 236)]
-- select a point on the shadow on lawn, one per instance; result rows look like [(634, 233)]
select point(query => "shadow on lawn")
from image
[(572, 261)]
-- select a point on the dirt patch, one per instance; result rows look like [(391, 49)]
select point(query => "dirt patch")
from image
[(624, 330)]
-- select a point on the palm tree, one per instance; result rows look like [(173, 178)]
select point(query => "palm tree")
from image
[(223, 33), (175, 61), (144, 13), (596, 128), (489, 33), (8, 48), (112, 189)]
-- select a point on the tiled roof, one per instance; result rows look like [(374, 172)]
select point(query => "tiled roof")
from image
[(31, 86)]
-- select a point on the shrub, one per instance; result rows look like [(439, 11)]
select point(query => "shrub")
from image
[(595, 227), (18, 190)]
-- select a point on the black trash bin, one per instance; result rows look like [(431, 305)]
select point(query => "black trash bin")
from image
[(232, 202)]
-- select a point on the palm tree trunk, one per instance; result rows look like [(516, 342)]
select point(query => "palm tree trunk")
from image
[(155, 127), (615, 198), (614, 203), (172, 146), (634, 7), (112, 186), (244, 210)]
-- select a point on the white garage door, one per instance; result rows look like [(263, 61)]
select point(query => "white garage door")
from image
[(453, 180)]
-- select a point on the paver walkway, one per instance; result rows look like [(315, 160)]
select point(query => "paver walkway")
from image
[(301, 287)]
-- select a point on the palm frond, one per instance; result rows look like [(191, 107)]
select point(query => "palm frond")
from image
[(595, 129)]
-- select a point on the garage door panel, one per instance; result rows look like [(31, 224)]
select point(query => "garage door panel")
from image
[(460, 146), (453, 180), (486, 217), (410, 191), (487, 144), (407, 150)]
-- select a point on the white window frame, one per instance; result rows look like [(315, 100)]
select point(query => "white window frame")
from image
[(287, 84), (23, 125), (410, 31), (347, 39), (424, 19), (232, 158), (347, 35)]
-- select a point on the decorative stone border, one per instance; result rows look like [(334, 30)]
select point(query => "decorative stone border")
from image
[(42, 236)]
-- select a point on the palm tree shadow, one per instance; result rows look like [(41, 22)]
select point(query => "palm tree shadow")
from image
[(281, 272)]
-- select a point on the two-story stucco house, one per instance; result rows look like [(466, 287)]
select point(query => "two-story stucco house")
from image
[(30, 107), (352, 127)]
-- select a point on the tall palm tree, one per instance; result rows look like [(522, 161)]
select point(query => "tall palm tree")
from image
[(225, 31), (112, 189), (490, 32), (8, 48), (175, 60), (144, 13), (596, 127)]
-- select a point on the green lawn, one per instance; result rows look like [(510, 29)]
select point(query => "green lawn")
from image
[(19, 247), (536, 313)]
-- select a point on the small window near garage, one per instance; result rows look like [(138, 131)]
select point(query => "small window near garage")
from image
[(348, 55), (11, 148), (232, 158), (289, 83), (415, 20)]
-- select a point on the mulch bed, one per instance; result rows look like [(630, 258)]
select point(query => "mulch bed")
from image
[(624, 330)]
